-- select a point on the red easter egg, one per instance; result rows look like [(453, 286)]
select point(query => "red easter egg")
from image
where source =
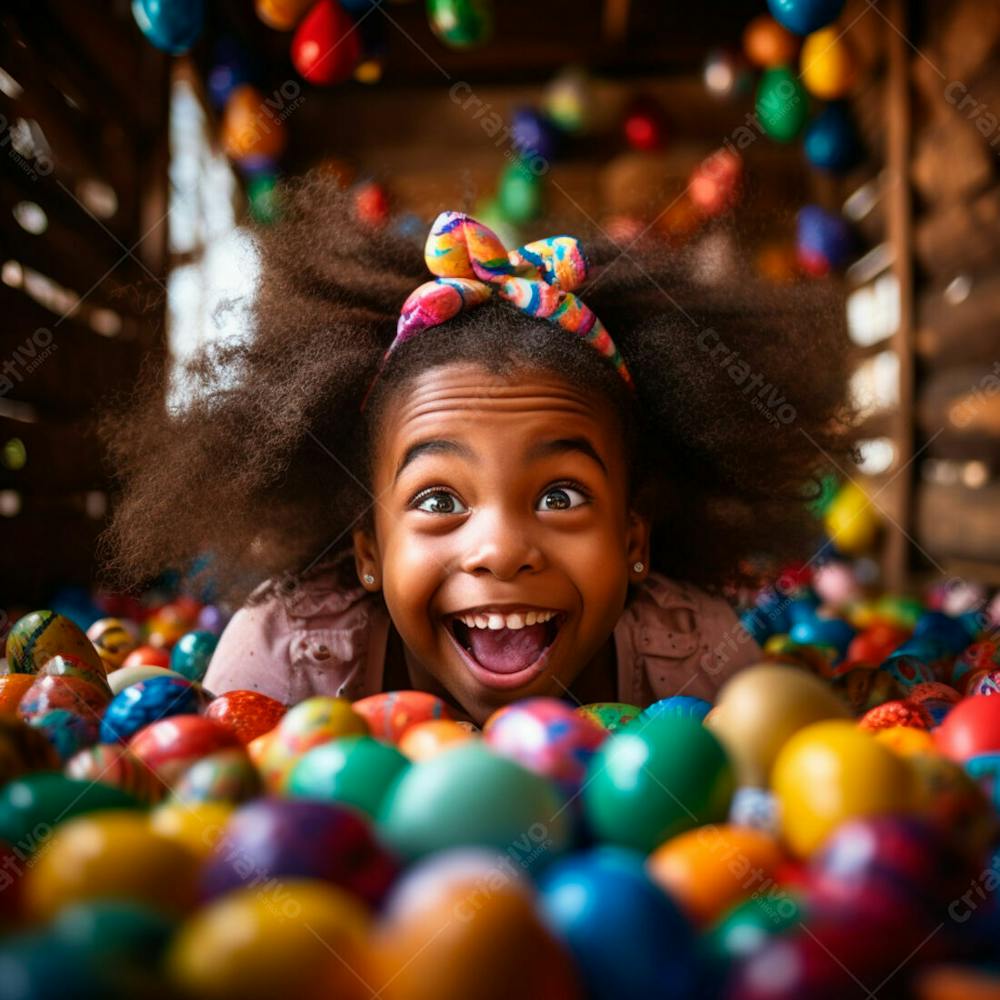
[(170, 746), (149, 656), (972, 727), (715, 183), (371, 204), (12, 690), (71, 693), (113, 764), (897, 713), (248, 714), (391, 713), (874, 644), (326, 48), (645, 124)]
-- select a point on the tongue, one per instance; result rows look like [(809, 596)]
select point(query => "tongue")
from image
[(507, 650)]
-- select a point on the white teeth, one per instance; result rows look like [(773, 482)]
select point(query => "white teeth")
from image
[(515, 621), (530, 618), (496, 622), (482, 621)]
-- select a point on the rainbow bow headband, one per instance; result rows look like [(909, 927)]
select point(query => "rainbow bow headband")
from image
[(471, 265)]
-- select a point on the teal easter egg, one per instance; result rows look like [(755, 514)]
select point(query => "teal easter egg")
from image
[(192, 653), (519, 196), (782, 104), (469, 797), (648, 784), (357, 771), (462, 24), (748, 927), (114, 930), (68, 731)]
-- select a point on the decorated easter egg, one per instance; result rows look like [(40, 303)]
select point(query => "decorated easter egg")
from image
[(426, 739), (628, 937), (248, 714), (299, 838), (23, 749), (696, 868), (40, 635), (985, 684), (650, 783), (469, 796), (768, 44), (391, 713), (113, 640), (782, 104), (760, 708), (173, 26), (282, 15), (748, 926), (147, 656), (166, 625), (875, 644), (113, 764), (71, 666), (896, 713), (831, 632), (256, 945), (148, 701), (831, 141), (610, 715), (224, 776), (12, 689), (111, 854), (191, 654), (251, 135), (864, 688), (971, 728), (830, 772), (70, 693), (805, 16), (32, 805), (461, 24), (827, 64), (326, 47), (356, 771), (68, 731), (495, 936), (170, 746), (197, 826), (546, 736)]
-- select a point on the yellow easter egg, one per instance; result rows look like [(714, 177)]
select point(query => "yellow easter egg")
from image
[(906, 740), (830, 772), (827, 63), (427, 739), (196, 826), (852, 520)]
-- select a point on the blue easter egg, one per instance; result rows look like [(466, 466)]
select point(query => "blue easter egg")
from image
[(803, 608), (628, 937), (833, 632), (678, 704), (534, 134), (831, 141), (803, 17), (823, 234), (757, 625), (149, 701), (192, 654), (69, 732), (171, 25), (952, 634), (230, 69)]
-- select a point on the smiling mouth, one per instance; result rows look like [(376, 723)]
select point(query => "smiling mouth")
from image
[(506, 644)]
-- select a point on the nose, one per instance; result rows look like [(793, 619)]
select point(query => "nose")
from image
[(500, 544)]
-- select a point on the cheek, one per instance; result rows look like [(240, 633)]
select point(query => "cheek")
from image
[(413, 568)]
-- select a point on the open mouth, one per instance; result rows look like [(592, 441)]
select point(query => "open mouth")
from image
[(506, 649)]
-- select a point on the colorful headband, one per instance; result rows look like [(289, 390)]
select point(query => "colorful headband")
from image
[(471, 265)]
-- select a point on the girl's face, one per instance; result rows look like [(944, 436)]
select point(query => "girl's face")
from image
[(503, 540)]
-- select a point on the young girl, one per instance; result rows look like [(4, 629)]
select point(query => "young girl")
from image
[(482, 472)]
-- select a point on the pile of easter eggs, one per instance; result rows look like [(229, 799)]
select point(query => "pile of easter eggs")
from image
[(827, 827)]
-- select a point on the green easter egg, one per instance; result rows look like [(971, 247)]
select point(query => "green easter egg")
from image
[(520, 193), (782, 104), (648, 783), (357, 771), (462, 24), (747, 928), (114, 930), (610, 715)]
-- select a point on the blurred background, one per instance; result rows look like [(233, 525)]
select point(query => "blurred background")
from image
[(137, 141)]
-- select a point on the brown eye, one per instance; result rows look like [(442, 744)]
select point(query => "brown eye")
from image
[(561, 498), (441, 502)]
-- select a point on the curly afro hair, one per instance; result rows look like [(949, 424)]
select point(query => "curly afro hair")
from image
[(738, 408)]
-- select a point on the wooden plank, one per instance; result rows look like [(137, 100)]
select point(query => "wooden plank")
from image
[(960, 237), (955, 522), (959, 322)]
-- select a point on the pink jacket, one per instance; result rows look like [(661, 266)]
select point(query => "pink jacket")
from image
[(321, 635)]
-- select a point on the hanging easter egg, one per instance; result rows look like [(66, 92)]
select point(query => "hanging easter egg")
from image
[(40, 635), (519, 195), (113, 764), (461, 24), (727, 74), (148, 701), (22, 750), (803, 17), (610, 715), (172, 26), (225, 776), (251, 133), (253, 944), (827, 65), (169, 747), (534, 134), (192, 653), (568, 101), (767, 44), (248, 714), (282, 15), (113, 639), (831, 141), (645, 124), (782, 104), (371, 204), (298, 838), (714, 186), (326, 47)]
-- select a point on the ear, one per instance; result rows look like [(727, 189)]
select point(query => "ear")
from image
[(367, 560), (637, 545)]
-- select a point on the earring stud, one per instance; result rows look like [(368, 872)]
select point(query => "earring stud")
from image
[(368, 578), (638, 566)]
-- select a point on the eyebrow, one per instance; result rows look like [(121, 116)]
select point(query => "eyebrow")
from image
[(544, 449)]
